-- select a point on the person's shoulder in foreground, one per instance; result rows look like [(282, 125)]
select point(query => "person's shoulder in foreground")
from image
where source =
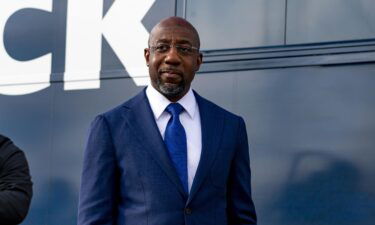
[(15, 183), (154, 161)]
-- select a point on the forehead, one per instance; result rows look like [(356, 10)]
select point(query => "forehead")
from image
[(176, 34)]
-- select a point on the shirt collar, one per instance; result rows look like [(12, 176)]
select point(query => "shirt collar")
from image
[(159, 102)]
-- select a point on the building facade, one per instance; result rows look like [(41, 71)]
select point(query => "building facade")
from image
[(300, 72)]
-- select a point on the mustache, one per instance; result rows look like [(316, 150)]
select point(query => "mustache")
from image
[(170, 70)]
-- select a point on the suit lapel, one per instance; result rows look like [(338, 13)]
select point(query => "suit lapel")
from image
[(211, 125), (141, 121)]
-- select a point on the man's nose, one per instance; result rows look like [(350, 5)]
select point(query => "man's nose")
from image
[(172, 56)]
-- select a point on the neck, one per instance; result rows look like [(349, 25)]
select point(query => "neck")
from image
[(177, 97), (173, 99)]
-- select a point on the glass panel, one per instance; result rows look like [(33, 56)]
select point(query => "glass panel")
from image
[(237, 24), (335, 20), (73, 113), (27, 120), (311, 135)]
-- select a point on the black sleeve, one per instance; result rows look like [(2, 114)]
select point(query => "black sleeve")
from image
[(15, 183)]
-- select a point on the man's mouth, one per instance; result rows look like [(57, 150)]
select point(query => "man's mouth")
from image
[(170, 76)]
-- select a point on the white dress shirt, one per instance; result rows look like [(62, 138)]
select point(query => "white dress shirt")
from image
[(189, 118)]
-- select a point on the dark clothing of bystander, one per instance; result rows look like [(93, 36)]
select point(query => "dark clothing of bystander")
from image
[(15, 183)]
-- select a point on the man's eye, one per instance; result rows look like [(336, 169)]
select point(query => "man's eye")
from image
[(162, 48), (184, 49)]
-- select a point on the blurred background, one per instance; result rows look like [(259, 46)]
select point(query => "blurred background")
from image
[(300, 72)]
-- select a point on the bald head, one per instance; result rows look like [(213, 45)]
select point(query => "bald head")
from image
[(175, 23)]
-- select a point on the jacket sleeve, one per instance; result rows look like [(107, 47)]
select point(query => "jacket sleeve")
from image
[(97, 195), (240, 206), (15, 184)]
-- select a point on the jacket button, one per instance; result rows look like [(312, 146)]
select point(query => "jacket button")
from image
[(187, 211)]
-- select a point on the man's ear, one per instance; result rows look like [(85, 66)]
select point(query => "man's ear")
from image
[(147, 55), (199, 61)]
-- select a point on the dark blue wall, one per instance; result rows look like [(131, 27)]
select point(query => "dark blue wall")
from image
[(308, 104)]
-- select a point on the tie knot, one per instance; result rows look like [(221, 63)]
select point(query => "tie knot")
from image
[(174, 109)]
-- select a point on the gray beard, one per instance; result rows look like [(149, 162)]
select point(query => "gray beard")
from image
[(173, 90)]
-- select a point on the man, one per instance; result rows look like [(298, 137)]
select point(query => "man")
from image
[(15, 183), (167, 156)]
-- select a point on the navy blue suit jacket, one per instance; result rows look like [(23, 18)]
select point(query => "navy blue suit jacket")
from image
[(128, 178)]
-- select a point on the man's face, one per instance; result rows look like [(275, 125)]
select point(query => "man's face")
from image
[(171, 67)]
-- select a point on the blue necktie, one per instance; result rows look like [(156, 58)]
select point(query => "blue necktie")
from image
[(175, 140)]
